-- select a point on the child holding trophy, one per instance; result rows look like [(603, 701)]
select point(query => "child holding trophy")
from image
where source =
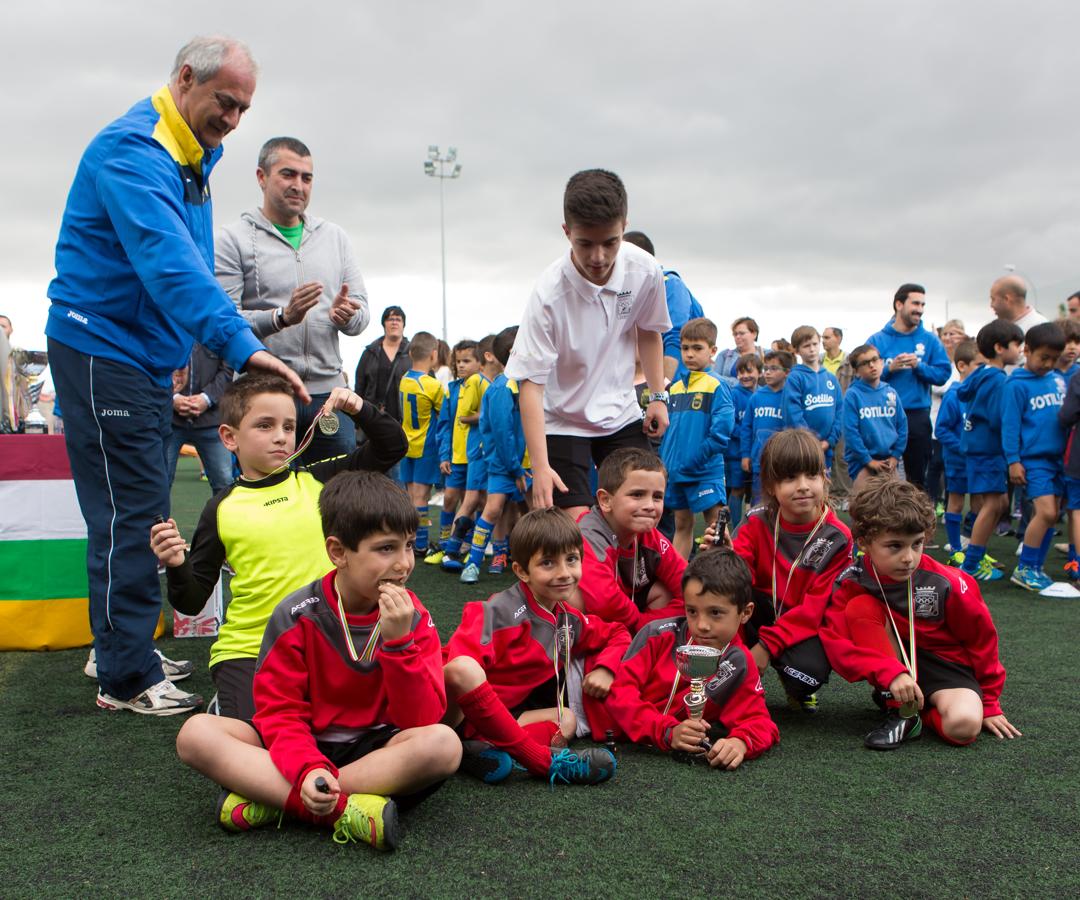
[(795, 547), (519, 663), (660, 697), (348, 689), (918, 631)]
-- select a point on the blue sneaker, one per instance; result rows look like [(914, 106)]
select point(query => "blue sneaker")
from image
[(591, 766), (1030, 578), (471, 574), (985, 572), (498, 564), (490, 764)]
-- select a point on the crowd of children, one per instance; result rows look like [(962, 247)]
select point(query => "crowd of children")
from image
[(338, 704)]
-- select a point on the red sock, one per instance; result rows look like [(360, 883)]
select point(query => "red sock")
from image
[(542, 732), (932, 718), (490, 717), (294, 806)]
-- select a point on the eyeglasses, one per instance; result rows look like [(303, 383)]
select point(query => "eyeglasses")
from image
[(866, 362), (774, 369)]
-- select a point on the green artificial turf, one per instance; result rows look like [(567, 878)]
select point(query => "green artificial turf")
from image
[(96, 803)]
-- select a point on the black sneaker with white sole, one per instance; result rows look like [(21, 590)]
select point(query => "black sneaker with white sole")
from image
[(161, 699)]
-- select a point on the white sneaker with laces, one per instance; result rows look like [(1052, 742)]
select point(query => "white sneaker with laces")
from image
[(173, 669), (161, 699)]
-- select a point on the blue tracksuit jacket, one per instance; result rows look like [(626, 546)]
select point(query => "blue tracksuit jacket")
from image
[(500, 429), (875, 426), (702, 418), (950, 426), (812, 400), (1029, 416), (763, 418), (913, 385), (982, 393), (741, 398)]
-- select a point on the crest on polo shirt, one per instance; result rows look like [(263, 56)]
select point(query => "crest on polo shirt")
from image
[(697, 400), (724, 673), (815, 554), (624, 304), (927, 602)]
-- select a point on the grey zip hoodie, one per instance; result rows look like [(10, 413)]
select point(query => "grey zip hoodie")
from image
[(259, 270)]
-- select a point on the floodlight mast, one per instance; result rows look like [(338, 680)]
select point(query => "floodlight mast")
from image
[(435, 166)]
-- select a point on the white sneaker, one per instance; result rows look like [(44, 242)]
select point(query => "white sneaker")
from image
[(173, 669), (161, 699)]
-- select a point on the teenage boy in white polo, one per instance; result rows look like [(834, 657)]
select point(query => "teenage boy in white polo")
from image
[(574, 354)]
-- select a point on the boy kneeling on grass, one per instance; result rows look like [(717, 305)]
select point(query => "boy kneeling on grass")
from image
[(348, 687), (519, 662), (646, 699), (918, 631)]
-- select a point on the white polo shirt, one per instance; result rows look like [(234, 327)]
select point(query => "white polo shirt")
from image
[(578, 340)]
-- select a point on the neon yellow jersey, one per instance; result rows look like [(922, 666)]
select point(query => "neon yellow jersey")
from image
[(472, 392), (421, 399)]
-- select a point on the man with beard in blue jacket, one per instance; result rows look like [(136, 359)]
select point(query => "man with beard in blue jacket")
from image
[(134, 284), (915, 359)]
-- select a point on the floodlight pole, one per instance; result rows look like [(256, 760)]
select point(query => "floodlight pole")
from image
[(435, 166)]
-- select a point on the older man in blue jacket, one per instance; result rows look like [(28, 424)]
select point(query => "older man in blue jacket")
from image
[(134, 284)]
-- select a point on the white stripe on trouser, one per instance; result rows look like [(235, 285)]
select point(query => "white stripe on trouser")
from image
[(112, 500)]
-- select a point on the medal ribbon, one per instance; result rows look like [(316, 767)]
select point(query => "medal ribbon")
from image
[(563, 634), (373, 639), (777, 609), (908, 660), (678, 675)]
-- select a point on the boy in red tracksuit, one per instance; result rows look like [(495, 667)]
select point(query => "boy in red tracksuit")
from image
[(630, 573), (949, 667), (646, 698), (348, 686), (795, 547), (521, 660)]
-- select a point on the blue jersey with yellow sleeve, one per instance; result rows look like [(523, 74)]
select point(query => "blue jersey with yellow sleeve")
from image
[(421, 400), (702, 419), (448, 436), (472, 392), (500, 423)]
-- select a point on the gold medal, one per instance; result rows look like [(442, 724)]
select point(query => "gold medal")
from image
[(909, 710), (329, 424)]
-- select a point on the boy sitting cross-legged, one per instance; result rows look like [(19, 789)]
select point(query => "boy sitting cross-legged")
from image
[(266, 523), (630, 573), (348, 690), (912, 627), (519, 659), (646, 699)]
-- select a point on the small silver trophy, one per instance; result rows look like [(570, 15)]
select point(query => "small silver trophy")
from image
[(30, 364), (699, 664)]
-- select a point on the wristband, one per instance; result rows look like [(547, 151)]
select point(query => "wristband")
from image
[(662, 396), (279, 318)]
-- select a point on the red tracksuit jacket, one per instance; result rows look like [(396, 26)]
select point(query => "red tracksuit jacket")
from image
[(514, 639), (307, 686), (607, 572), (805, 591), (951, 621), (642, 687)]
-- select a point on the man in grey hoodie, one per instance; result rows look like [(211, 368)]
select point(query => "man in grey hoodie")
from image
[(294, 277)]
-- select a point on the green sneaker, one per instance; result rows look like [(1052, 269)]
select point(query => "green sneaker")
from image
[(986, 571), (236, 813), (434, 556), (955, 559), (369, 818), (806, 704)]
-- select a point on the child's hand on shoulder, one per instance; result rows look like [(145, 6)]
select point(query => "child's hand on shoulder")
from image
[(395, 611), (316, 802), (167, 544), (688, 735), (728, 753), (342, 398), (1001, 727), (598, 682)]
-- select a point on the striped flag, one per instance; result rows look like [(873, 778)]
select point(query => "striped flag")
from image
[(43, 591)]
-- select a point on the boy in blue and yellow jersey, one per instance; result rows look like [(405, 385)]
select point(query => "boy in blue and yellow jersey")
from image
[(981, 395), (421, 399), (748, 373), (812, 396), (456, 546), (764, 416), (266, 523), (702, 417), (508, 467), (1034, 445), (453, 437)]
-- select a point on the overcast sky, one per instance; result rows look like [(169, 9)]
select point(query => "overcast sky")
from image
[(793, 161)]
